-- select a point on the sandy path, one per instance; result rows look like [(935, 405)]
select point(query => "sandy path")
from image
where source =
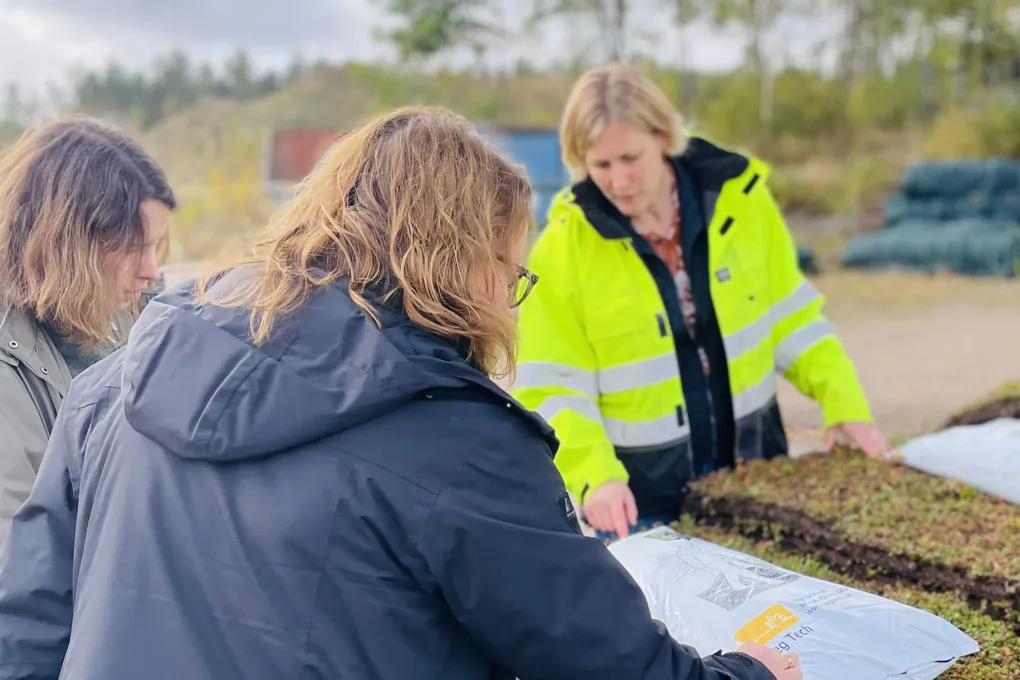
[(919, 365)]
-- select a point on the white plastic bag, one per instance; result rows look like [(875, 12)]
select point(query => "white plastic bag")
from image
[(986, 456), (713, 598)]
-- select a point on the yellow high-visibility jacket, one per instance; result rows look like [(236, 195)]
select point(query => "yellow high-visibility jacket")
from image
[(599, 360)]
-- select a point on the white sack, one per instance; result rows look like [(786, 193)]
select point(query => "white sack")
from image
[(986, 456), (713, 599)]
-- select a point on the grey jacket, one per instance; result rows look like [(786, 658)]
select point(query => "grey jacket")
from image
[(33, 381)]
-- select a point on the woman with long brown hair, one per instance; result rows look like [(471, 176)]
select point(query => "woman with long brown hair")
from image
[(83, 218), (302, 469)]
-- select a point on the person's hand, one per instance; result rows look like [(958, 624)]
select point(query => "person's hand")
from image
[(866, 436), (611, 507), (783, 666)]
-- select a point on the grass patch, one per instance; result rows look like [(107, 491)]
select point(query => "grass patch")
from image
[(999, 657)]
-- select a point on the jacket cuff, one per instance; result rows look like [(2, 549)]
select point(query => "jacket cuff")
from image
[(741, 666), (595, 479), (847, 408)]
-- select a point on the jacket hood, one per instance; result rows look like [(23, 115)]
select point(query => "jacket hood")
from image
[(194, 381)]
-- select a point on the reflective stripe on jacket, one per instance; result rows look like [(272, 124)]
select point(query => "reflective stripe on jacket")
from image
[(598, 358)]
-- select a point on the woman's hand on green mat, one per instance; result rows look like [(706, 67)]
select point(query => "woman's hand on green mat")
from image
[(865, 436), (611, 507)]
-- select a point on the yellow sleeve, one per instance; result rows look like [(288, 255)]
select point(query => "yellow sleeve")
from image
[(557, 370), (804, 344)]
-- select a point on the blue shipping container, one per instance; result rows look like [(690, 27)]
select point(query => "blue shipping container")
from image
[(538, 150)]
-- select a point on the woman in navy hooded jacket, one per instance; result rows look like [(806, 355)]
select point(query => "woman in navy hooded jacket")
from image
[(300, 468)]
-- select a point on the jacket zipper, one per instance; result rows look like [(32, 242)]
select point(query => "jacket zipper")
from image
[(703, 358), (663, 323), (711, 415), (662, 320)]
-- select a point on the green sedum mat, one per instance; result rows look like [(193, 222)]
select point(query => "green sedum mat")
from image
[(999, 658), (1003, 402), (867, 518)]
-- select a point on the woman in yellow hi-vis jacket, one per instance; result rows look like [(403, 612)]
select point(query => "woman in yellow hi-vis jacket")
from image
[(671, 295)]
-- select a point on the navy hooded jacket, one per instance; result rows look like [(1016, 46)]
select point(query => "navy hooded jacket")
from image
[(340, 502)]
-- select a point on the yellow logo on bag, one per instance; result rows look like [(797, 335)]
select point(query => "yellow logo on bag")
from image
[(767, 625)]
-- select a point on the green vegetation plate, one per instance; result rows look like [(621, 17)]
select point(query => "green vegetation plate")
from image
[(999, 658), (869, 519), (1004, 402)]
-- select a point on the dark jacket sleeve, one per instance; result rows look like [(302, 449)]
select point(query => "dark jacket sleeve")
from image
[(543, 600), (36, 564)]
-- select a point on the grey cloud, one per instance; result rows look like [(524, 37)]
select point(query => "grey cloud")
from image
[(252, 23)]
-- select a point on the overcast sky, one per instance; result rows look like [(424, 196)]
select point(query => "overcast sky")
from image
[(41, 40)]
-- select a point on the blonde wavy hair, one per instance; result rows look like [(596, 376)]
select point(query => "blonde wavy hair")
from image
[(413, 206), (610, 94), (71, 195)]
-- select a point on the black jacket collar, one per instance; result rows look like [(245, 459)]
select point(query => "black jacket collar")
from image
[(708, 165)]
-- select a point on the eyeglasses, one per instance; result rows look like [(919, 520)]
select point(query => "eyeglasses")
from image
[(526, 280), (521, 288)]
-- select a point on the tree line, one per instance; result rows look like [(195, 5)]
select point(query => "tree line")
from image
[(953, 46), (879, 63), (171, 84)]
